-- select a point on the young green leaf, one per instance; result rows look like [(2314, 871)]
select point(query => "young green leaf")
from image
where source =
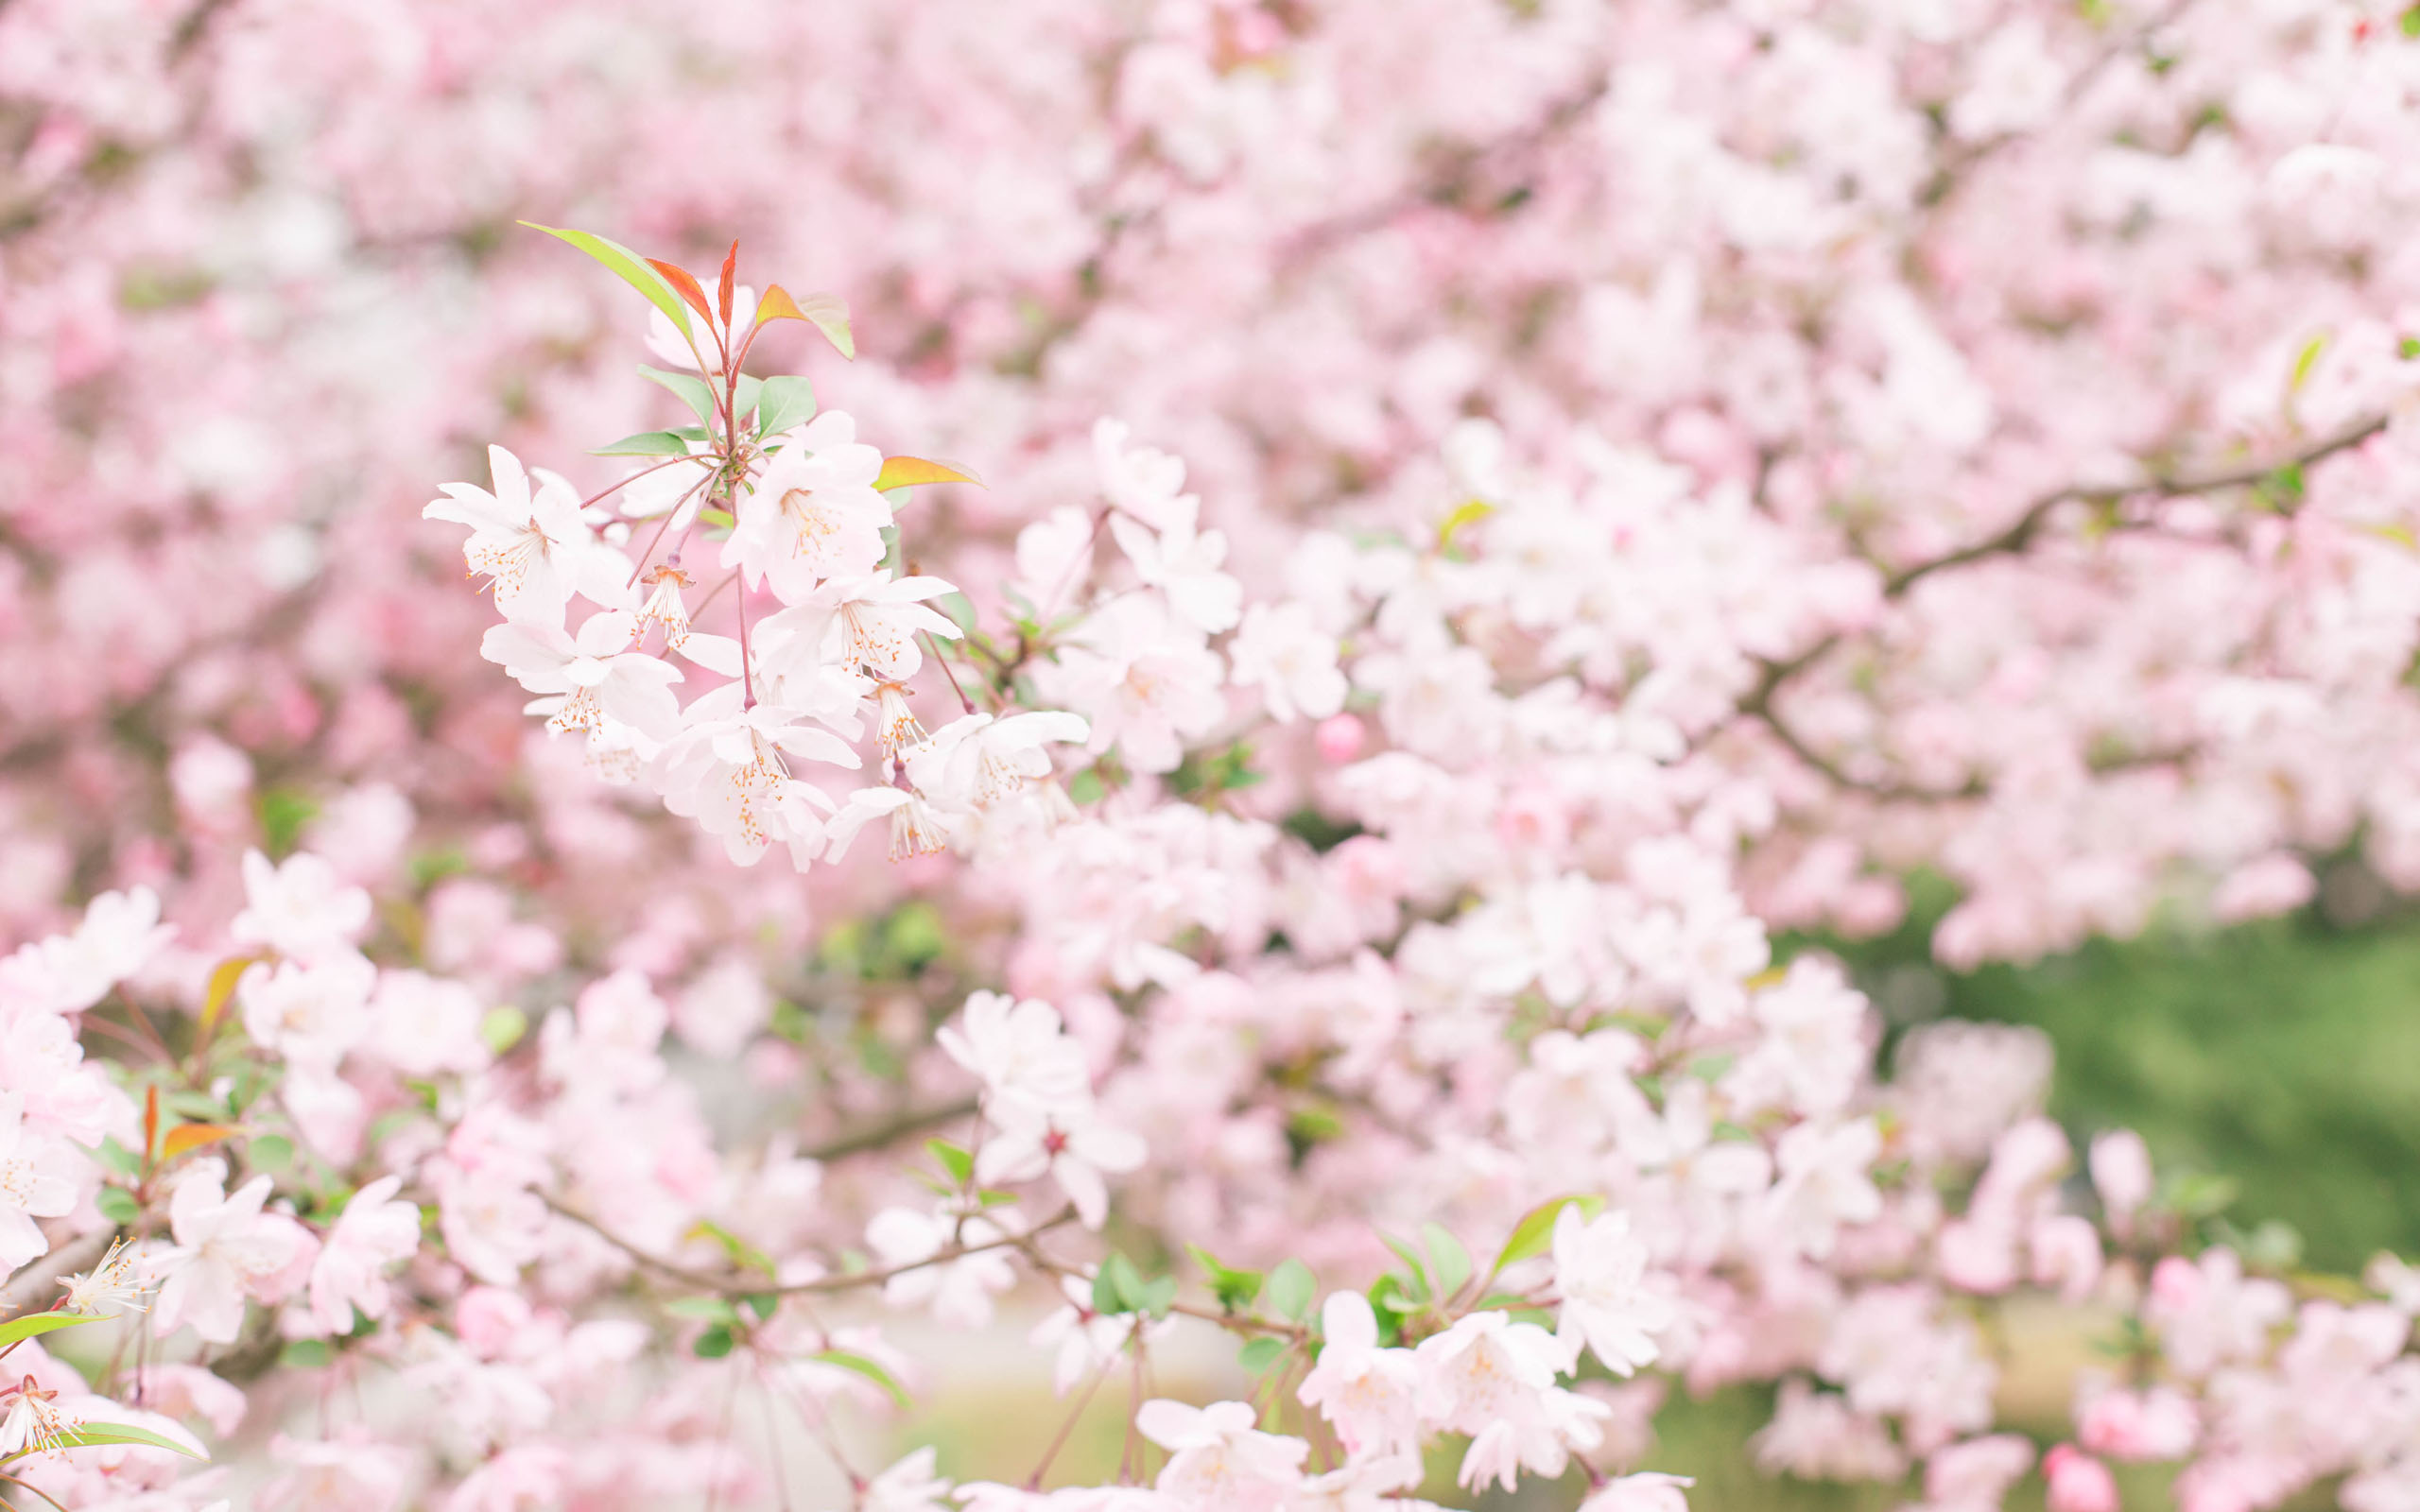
[(646, 443), (627, 265), (784, 402), (692, 390), (1416, 1282), (101, 1435), (1235, 1289), (704, 1309), (1535, 1230), (33, 1323), (118, 1205), (1257, 1355), (866, 1368), (1289, 1288), (1452, 1261), (745, 397), (712, 1344), (958, 1162)]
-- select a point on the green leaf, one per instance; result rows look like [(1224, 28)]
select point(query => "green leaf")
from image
[(2410, 22), (503, 1028), (1413, 1262), (1388, 1304), (712, 1344), (784, 402), (1453, 1262), (1235, 1289), (283, 812), (1156, 1296), (305, 1354), (1535, 1230), (866, 1368), (271, 1152), (1257, 1355), (646, 443), (1123, 1284), (2304, 361), (1469, 510), (740, 1251), (764, 1304), (1289, 1288), (118, 1205), (744, 398), (118, 1158), (99, 1435), (33, 1323), (704, 1309), (958, 1162), (627, 265), (694, 391)]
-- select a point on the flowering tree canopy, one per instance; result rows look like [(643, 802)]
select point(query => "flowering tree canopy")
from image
[(1493, 513)]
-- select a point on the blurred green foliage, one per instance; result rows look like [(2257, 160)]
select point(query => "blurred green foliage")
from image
[(2282, 1055)]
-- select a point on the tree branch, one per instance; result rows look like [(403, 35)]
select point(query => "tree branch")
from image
[(2014, 539), (875, 1136)]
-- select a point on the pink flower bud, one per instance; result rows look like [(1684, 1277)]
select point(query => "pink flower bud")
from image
[(1339, 738), (2079, 1483)]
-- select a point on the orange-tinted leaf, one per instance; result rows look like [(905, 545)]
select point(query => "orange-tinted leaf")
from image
[(151, 1119), (729, 268), (222, 987), (906, 472), (186, 1136), (827, 313), (679, 278)]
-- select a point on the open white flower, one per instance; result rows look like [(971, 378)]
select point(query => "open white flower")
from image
[(299, 907), (590, 679), (1067, 1142), (532, 544), (37, 1180), (979, 761), (916, 828), (730, 771), (1182, 563), (869, 622), (814, 513), (225, 1242), (1608, 1302)]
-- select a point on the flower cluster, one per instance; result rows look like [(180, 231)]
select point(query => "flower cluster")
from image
[(1591, 495)]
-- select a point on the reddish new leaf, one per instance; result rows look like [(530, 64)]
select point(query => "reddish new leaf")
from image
[(729, 268), (906, 472), (827, 313), (679, 278), (185, 1137)]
